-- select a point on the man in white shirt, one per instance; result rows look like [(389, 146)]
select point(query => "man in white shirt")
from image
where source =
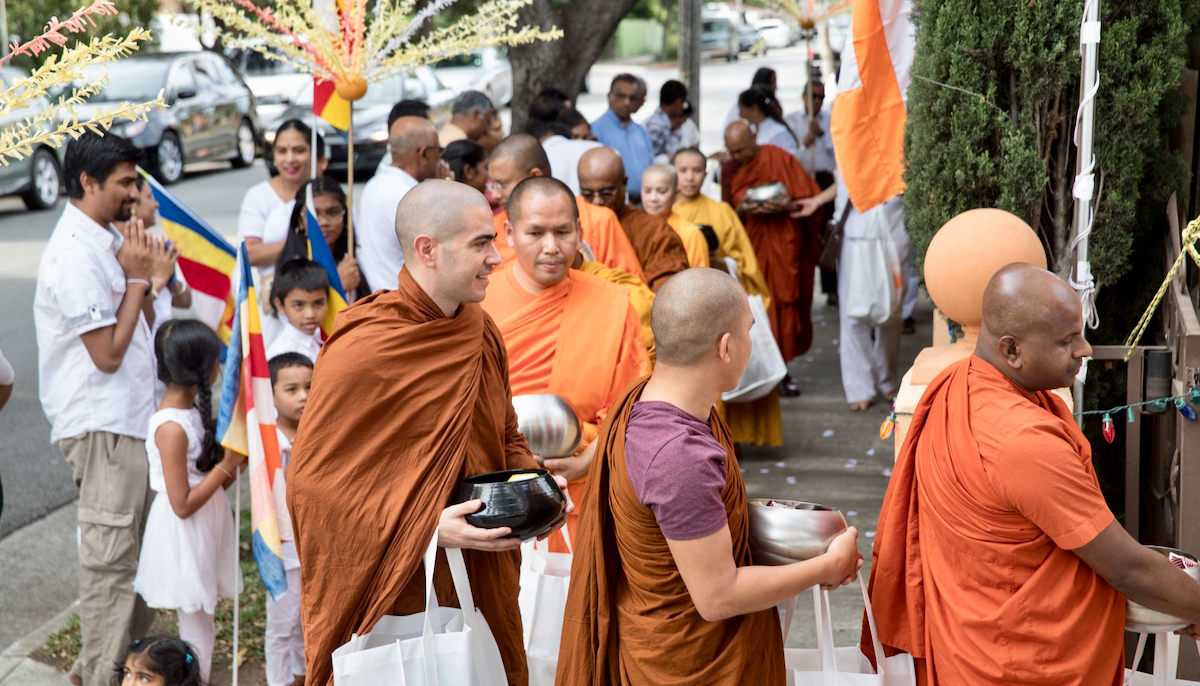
[(816, 145), (415, 157), (562, 150), (96, 375)]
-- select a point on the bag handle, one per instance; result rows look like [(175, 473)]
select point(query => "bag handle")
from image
[(566, 537), (870, 611), (824, 621), (431, 607)]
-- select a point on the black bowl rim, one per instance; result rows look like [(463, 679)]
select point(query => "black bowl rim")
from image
[(501, 477)]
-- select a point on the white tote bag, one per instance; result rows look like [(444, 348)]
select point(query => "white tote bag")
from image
[(1166, 661), (872, 264), (545, 577), (827, 665), (441, 646)]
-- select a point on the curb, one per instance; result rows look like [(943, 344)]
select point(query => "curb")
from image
[(15, 654)]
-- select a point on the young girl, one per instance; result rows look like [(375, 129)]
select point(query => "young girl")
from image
[(158, 661), (329, 204), (189, 549)]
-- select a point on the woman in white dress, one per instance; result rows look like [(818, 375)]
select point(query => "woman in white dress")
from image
[(189, 550), (759, 107)]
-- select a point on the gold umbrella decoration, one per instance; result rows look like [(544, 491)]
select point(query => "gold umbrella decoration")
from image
[(58, 121), (339, 44)]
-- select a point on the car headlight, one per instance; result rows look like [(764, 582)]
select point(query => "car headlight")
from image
[(269, 137), (379, 136)]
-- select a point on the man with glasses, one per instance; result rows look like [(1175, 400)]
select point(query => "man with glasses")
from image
[(416, 156), (816, 154), (616, 129)]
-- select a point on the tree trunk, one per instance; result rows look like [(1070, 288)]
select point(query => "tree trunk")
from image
[(564, 63)]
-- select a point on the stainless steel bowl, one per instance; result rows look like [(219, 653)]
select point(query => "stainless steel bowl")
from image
[(767, 192), (550, 424), (1143, 619), (799, 531)]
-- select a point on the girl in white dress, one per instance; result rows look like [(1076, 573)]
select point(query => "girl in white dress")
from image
[(189, 549)]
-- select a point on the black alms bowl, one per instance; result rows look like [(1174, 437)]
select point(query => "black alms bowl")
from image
[(530, 507)]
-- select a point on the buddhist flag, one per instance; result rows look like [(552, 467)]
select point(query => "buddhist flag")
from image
[(330, 106), (869, 112), (247, 425), (318, 251), (206, 259)]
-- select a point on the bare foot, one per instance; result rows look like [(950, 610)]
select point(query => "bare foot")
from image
[(860, 406), (74, 678), (889, 396)]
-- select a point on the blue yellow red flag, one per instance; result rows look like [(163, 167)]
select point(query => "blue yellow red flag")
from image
[(318, 251)]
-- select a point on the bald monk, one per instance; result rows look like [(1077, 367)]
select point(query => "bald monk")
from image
[(410, 397), (995, 494), (658, 199), (663, 587), (520, 157), (786, 244), (602, 181), (567, 333)]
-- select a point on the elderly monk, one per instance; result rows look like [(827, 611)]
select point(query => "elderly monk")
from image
[(658, 199), (520, 157), (602, 182), (663, 587), (411, 396), (997, 560), (786, 244), (567, 333)]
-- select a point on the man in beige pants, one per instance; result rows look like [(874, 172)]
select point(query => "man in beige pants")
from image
[(92, 312)]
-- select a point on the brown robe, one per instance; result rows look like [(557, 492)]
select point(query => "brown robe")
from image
[(405, 403), (629, 617), (658, 247)]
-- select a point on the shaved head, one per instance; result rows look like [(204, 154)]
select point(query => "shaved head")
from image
[(659, 186), (692, 311), (740, 141), (438, 209), (658, 171), (536, 189), (1032, 328), (524, 151), (414, 146), (602, 178)]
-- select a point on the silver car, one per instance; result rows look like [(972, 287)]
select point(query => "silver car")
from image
[(486, 70), (38, 177)]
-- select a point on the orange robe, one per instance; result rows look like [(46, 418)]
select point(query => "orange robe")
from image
[(405, 403), (658, 248), (630, 620), (972, 568), (580, 339), (601, 231), (787, 249), (693, 240), (640, 296)]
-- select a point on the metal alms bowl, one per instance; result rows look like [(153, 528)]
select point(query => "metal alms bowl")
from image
[(767, 192), (798, 531), (1143, 619), (550, 424)]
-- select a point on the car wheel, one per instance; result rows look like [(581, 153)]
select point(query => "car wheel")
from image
[(246, 146), (45, 181), (168, 159)]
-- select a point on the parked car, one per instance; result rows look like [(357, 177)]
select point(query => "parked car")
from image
[(718, 39), (749, 40), (212, 113), (274, 83), (370, 116), (486, 70), (775, 32), (37, 178)]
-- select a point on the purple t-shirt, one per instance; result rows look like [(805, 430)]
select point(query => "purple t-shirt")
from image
[(677, 469)]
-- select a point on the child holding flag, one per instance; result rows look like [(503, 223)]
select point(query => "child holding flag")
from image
[(189, 550)]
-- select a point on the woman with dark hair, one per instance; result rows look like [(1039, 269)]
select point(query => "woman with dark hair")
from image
[(468, 161), (759, 107), (581, 130), (329, 205)]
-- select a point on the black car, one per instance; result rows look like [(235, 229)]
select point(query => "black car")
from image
[(210, 115)]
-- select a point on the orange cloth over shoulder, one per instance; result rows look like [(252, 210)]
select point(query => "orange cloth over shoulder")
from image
[(630, 620), (972, 567), (786, 248), (693, 240), (580, 339), (640, 296), (658, 247), (601, 230), (405, 403)]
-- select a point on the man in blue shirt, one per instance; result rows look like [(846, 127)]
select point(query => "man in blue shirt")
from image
[(616, 129)]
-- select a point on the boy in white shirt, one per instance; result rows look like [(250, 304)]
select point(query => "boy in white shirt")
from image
[(291, 378), (299, 295)]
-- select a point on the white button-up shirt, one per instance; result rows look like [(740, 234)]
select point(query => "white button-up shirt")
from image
[(564, 154), (293, 340), (819, 156), (80, 286), (379, 255)]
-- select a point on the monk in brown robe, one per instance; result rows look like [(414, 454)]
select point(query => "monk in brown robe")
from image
[(602, 181), (663, 588), (410, 396), (660, 187), (786, 243), (997, 560)]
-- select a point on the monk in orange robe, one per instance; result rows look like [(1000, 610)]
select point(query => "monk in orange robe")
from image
[(659, 190), (602, 181), (664, 589), (640, 295), (411, 395), (786, 244), (520, 157), (566, 332), (997, 560)]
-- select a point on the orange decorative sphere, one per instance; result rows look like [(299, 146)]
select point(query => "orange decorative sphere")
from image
[(807, 23), (352, 88), (967, 251)]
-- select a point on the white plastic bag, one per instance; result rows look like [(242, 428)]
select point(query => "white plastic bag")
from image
[(545, 577), (1166, 661), (827, 665), (766, 367), (441, 646), (872, 264)]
